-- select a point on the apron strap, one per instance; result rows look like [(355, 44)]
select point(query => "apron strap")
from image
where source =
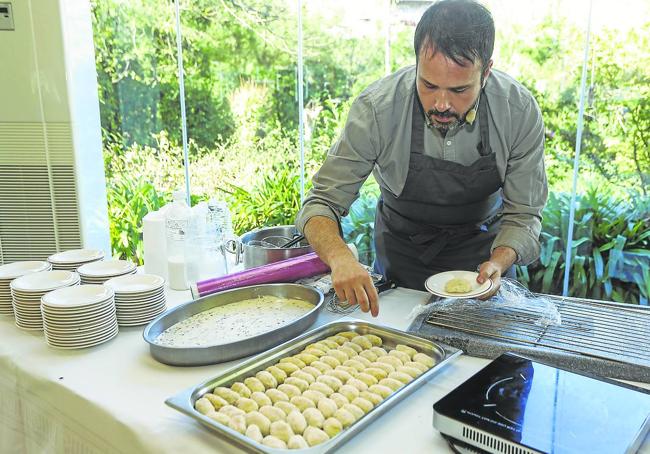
[(484, 148)]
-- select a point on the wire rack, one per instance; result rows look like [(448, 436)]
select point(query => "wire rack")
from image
[(610, 331)]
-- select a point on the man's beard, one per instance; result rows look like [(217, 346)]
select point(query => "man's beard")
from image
[(457, 122), (444, 126)]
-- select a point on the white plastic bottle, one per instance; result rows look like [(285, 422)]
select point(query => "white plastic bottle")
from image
[(177, 226), (196, 243), (154, 237)]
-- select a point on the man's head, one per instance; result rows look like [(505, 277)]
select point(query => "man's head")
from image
[(453, 45)]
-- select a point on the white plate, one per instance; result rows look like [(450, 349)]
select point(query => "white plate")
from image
[(136, 322), (76, 256), (36, 301), (81, 313), (77, 296), (56, 325), (84, 345), (17, 269), (144, 319), (44, 281), (79, 335), (80, 324), (436, 284), (140, 296), (28, 317), (139, 303), (135, 283), (73, 340), (107, 334), (143, 313), (29, 326), (106, 268)]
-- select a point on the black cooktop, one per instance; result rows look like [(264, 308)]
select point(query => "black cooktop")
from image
[(544, 409)]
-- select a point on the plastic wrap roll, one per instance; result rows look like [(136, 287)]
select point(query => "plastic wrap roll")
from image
[(288, 270)]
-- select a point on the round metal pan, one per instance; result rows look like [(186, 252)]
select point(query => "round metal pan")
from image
[(197, 356)]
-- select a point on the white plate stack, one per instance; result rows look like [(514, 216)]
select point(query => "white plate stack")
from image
[(12, 271), (100, 272), (73, 259), (26, 292), (79, 317), (139, 298)]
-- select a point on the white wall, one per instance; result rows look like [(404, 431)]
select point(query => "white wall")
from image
[(52, 184)]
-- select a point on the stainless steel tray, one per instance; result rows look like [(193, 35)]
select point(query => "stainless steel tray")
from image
[(442, 354), (196, 356)]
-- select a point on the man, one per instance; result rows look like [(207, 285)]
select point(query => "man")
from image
[(457, 150)]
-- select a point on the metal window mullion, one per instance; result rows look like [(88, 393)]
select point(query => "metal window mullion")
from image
[(576, 161), (301, 101), (181, 88)]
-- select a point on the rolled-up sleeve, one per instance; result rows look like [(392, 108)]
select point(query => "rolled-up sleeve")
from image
[(525, 188), (349, 162)]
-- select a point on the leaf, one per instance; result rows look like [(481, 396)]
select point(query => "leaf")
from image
[(598, 263), (550, 271)]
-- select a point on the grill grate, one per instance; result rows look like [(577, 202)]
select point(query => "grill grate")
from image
[(609, 331)]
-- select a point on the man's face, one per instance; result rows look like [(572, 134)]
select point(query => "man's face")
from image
[(447, 90)]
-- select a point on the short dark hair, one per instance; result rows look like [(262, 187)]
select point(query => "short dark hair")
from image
[(462, 30)]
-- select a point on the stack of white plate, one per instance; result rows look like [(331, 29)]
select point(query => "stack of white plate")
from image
[(11, 271), (100, 272), (79, 317), (26, 292), (139, 298), (73, 259)]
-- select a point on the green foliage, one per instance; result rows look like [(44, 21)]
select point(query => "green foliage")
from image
[(610, 252), (358, 226), (129, 200), (274, 200), (616, 136)]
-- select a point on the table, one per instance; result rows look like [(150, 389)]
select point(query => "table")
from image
[(110, 398)]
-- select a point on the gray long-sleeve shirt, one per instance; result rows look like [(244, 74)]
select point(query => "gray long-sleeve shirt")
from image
[(377, 138)]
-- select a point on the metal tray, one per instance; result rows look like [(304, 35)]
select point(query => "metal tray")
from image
[(196, 356), (442, 354)]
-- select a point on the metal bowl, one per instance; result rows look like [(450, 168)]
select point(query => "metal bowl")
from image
[(263, 246), (212, 354)]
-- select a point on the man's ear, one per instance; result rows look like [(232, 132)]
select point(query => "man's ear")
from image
[(486, 72)]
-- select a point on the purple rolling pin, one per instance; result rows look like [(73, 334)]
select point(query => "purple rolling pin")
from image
[(288, 270)]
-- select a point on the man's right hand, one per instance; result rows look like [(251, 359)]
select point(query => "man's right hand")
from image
[(353, 284), (350, 280)]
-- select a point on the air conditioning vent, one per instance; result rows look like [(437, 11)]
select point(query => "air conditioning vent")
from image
[(38, 201), (494, 444)]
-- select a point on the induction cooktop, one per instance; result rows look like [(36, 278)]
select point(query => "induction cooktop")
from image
[(519, 406)]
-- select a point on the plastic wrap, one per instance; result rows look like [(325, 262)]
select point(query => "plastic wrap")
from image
[(288, 270), (511, 295)]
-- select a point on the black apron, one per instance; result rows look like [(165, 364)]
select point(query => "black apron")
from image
[(447, 215)]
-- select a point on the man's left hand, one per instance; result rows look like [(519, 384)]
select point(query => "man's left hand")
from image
[(501, 259)]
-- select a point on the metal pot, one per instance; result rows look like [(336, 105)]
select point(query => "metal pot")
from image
[(263, 246)]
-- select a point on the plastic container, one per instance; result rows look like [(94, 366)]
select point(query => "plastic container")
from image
[(154, 236), (219, 221), (177, 228)]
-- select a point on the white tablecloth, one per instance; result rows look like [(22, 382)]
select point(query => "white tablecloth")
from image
[(110, 398)]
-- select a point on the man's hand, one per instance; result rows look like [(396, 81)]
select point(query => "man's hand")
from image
[(501, 259), (353, 284), (351, 281)]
